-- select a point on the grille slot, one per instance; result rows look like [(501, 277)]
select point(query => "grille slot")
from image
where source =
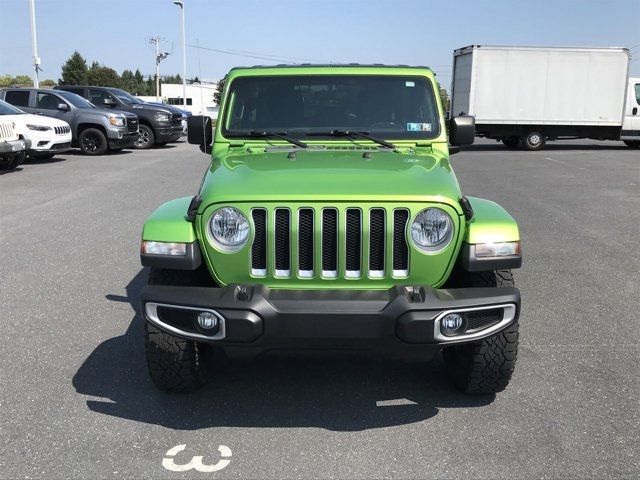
[(283, 247), (305, 243), (400, 248), (482, 319), (259, 247), (376, 243), (352, 243), (330, 242)]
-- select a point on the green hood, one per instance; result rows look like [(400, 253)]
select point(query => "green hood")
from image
[(318, 174)]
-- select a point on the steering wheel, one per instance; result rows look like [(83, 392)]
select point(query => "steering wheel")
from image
[(385, 125)]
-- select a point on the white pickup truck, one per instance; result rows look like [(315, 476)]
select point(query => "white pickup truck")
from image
[(48, 136)]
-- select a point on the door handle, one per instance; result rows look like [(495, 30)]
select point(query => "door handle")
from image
[(634, 111)]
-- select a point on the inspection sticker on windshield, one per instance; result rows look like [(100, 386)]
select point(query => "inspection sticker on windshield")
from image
[(409, 84), (418, 127)]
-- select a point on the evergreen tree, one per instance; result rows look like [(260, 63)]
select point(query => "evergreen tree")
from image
[(102, 76), (74, 70), (217, 95)]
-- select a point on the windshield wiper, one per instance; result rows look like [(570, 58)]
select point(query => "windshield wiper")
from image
[(351, 133), (281, 135)]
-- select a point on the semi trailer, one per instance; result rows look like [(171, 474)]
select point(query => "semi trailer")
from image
[(526, 96)]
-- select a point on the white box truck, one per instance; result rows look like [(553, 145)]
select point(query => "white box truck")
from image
[(524, 96)]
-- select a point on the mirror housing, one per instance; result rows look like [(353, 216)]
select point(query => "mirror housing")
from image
[(63, 106), (109, 102), (200, 132), (462, 130)]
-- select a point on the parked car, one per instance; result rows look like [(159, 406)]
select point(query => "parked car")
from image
[(331, 218), (48, 136), (13, 147), (185, 114), (159, 125), (94, 130), (525, 96)]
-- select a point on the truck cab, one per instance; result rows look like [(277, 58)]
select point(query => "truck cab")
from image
[(158, 124), (631, 126)]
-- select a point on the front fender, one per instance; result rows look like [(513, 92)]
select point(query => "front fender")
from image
[(169, 223), (490, 223)]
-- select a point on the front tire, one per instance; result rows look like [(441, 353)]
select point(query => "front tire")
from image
[(534, 140), (92, 142), (146, 138), (175, 364), (484, 367)]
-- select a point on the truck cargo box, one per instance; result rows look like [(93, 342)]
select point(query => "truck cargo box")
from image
[(540, 85)]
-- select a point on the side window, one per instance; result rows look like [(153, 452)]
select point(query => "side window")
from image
[(19, 98), (77, 91), (48, 101), (638, 93), (97, 97)]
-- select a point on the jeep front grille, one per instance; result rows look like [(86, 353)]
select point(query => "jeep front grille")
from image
[(327, 243), (62, 130)]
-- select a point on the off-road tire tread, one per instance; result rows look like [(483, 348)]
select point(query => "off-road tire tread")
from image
[(485, 367), (175, 365)]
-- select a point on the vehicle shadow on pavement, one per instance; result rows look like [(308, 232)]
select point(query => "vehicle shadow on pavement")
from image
[(340, 394)]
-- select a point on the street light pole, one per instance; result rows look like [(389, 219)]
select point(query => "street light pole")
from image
[(34, 45), (180, 4)]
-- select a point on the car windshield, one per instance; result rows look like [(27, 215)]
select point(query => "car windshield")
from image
[(125, 97), (396, 107), (8, 109), (75, 100)]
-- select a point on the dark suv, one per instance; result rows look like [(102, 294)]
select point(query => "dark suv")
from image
[(158, 124)]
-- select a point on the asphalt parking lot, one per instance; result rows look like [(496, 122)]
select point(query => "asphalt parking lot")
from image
[(76, 400)]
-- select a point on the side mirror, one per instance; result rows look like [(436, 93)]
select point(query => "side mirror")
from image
[(109, 102), (462, 130), (63, 106), (200, 132)]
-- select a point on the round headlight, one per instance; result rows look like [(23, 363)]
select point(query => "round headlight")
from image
[(229, 228), (432, 229)]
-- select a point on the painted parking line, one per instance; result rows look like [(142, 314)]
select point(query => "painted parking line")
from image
[(196, 462)]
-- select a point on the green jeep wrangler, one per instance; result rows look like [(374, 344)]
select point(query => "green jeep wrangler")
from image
[(330, 218)]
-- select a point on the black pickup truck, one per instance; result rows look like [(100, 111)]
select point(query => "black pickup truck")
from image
[(158, 124)]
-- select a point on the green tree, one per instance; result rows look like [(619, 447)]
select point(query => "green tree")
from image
[(444, 98), (102, 76), (74, 70), (47, 83), (128, 82), (10, 80), (217, 95)]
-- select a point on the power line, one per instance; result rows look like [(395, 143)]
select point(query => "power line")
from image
[(260, 56)]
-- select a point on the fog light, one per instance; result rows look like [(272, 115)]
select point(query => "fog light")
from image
[(208, 321), (451, 324)]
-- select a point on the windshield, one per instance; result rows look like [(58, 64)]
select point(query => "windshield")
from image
[(125, 97), (75, 100), (397, 107), (8, 109)]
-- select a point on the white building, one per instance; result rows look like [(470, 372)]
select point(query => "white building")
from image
[(199, 97)]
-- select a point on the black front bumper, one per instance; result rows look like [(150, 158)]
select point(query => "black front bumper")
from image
[(127, 141), (168, 134), (258, 317)]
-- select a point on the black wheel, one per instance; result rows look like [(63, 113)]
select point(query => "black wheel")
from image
[(632, 143), (534, 140), (175, 364), (92, 141), (511, 142), (484, 367), (146, 138)]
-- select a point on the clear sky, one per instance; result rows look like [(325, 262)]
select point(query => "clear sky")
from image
[(416, 32)]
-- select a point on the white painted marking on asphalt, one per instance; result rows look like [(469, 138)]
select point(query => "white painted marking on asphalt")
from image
[(196, 462), (394, 403), (556, 161)]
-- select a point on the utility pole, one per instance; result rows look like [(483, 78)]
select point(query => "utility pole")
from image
[(159, 57), (34, 45), (180, 4)]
